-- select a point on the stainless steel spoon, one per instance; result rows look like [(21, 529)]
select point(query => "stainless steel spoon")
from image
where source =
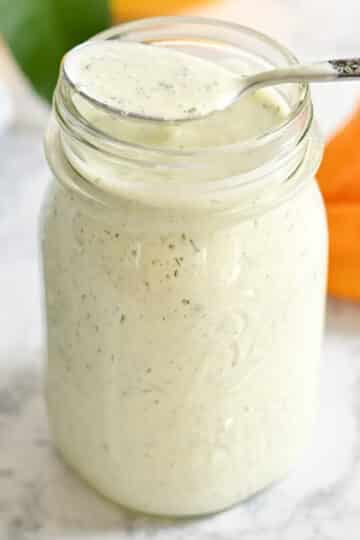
[(234, 89)]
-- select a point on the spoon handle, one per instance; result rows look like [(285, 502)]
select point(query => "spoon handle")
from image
[(328, 70), (345, 68)]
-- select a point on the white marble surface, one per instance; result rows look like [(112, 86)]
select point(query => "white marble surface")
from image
[(39, 497)]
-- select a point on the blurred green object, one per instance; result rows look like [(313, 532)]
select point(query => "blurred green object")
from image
[(39, 32)]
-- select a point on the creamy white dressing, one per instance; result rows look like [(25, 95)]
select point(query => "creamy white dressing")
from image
[(183, 352), (149, 81)]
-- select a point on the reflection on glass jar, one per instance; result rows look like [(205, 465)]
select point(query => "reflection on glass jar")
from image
[(185, 271)]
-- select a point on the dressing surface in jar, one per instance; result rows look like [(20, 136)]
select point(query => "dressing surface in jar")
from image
[(185, 270)]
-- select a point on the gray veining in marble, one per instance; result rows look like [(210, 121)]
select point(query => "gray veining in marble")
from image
[(40, 498)]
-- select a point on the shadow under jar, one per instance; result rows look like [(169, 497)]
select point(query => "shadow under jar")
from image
[(185, 271)]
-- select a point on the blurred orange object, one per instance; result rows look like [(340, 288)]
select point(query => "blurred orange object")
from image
[(339, 180), (124, 10)]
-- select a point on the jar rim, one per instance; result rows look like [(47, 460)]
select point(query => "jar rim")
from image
[(289, 153), (80, 128)]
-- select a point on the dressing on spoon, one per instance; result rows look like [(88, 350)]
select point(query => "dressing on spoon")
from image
[(148, 81)]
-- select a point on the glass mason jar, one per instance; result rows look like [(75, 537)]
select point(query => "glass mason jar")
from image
[(184, 293)]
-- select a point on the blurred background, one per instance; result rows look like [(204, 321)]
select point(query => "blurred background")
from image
[(34, 34)]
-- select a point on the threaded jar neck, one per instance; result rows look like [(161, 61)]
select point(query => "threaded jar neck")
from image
[(115, 165)]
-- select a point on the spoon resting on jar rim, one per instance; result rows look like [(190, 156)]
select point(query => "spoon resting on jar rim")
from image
[(157, 83)]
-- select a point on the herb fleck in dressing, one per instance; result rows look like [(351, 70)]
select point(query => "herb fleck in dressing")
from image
[(182, 356)]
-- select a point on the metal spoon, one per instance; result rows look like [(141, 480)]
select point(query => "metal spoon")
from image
[(231, 88)]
